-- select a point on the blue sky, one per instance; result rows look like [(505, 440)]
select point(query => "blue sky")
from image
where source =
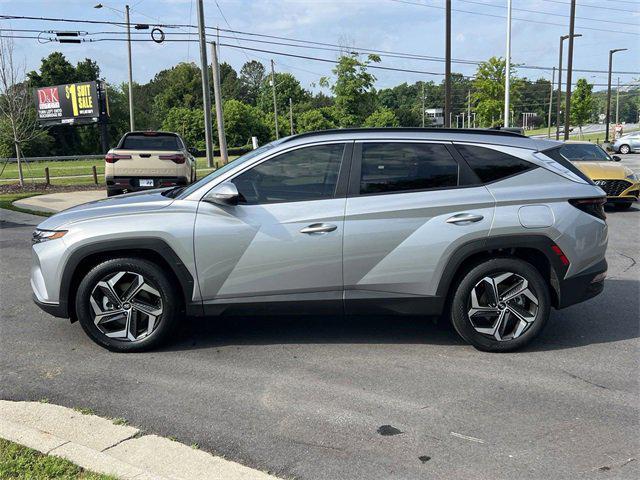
[(376, 24)]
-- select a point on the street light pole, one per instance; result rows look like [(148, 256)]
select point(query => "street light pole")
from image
[(553, 79), (131, 121), (206, 92), (608, 114), (559, 97), (567, 108), (507, 70)]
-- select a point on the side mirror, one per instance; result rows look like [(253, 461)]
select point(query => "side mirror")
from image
[(225, 194), (616, 158)]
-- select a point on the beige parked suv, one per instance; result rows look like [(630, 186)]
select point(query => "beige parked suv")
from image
[(145, 160)]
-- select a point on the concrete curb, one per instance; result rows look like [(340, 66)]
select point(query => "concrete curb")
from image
[(96, 444)]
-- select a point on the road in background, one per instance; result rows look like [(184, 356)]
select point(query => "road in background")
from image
[(326, 398)]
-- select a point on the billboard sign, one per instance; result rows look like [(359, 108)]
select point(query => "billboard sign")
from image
[(72, 103)]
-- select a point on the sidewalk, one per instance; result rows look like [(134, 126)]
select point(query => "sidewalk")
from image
[(56, 202), (97, 444)]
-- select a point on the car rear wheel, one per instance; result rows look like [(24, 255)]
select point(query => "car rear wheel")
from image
[(127, 305), (624, 149), (113, 193), (500, 305)]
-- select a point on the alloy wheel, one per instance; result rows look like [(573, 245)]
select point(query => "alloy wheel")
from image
[(502, 306), (126, 306)]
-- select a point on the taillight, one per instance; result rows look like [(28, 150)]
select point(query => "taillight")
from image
[(176, 158), (592, 206), (114, 157)]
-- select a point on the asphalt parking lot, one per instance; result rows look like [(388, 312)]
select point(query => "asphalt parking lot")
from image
[(365, 398)]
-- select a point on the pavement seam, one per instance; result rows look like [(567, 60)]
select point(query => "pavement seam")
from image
[(137, 434)]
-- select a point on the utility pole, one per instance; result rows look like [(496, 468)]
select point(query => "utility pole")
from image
[(291, 115), (567, 107), (559, 97), (131, 122), (423, 105), (468, 108), (275, 105), (608, 114), (222, 139), (507, 70), (553, 79), (206, 93), (447, 67)]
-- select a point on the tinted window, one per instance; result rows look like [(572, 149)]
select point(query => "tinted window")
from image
[(309, 173), (584, 152), (397, 167), (491, 165), (151, 142)]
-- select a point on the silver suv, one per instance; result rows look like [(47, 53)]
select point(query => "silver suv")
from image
[(488, 227)]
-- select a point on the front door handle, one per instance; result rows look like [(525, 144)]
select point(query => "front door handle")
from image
[(463, 218), (319, 228)]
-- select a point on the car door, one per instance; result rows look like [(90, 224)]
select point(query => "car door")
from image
[(409, 206), (283, 241)]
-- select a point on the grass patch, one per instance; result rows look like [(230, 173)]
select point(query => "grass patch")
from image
[(22, 463), (6, 201), (71, 168), (120, 421), (85, 411)]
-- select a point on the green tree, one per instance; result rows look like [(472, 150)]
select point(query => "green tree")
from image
[(319, 119), (242, 121), (287, 86), (488, 91), (581, 103), (180, 86), (188, 123), (252, 76), (383, 117), (230, 85), (353, 88)]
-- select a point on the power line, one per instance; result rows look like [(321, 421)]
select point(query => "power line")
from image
[(528, 20), (588, 5), (310, 42)]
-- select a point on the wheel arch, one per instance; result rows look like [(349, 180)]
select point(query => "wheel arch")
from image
[(534, 249), (86, 257)]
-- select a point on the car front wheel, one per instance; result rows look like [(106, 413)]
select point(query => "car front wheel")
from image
[(500, 305), (127, 305), (624, 149)]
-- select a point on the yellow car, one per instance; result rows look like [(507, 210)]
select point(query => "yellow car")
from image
[(620, 183)]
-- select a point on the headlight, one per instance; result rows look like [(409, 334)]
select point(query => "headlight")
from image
[(633, 177), (40, 236)]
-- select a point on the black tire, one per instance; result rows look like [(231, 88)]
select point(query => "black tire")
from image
[(113, 193), (154, 276), (624, 149), (461, 300), (622, 206)]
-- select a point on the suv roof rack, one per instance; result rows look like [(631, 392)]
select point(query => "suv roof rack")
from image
[(477, 131)]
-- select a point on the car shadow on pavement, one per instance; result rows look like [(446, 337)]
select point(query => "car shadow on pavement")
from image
[(610, 317)]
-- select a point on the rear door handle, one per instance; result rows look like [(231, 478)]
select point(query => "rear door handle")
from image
[(319, 228), (464, 218)]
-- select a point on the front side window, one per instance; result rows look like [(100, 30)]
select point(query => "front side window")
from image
[(491, 165), (309, 173), (401, 167)]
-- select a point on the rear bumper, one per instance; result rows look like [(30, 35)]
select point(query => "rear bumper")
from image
[(132, 184), (584, 286)]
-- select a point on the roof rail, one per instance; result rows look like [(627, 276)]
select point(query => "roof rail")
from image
[(475, 131)]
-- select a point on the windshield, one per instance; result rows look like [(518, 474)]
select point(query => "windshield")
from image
[(584, 152), (225, 168)]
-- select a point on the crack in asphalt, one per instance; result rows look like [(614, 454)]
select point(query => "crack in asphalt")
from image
[(633, 261), (585, 380)]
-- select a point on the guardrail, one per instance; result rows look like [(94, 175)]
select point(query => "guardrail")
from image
[(58, 158)]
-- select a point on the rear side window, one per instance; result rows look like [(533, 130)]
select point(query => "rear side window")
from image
[(491, 165), (142, 141), (400, 167)]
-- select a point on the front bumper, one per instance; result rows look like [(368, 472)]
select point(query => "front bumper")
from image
[(584, 286), (54, 309)]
